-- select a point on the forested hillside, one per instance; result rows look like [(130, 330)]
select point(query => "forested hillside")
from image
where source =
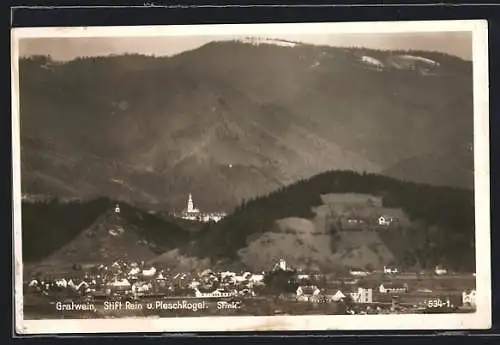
[(443, 216), (49, 226)]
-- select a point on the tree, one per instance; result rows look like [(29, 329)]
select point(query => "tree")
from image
[(280, 281)]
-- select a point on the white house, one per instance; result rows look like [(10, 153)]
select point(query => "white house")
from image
[(385, 220), (356, 272), (117, 208), (225, 274), (391, 270), (469, 298), (141, 287), (62, 283), (372, 61), (134, 271), (362, 296), (238, 279), (440, 271), (149, 273), (338, 296), (393, 288), (81, 285), (215, 293), (122, 283), (256, 278), (307, 293)]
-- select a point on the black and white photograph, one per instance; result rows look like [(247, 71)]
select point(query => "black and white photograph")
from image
[(251, 177)]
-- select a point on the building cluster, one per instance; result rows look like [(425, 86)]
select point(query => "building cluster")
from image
[(193, 213), (376, 297), (133, 280), (311, 293), (352, 211), (390, 270)]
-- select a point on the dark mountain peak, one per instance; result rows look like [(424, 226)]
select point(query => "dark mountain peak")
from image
[(93, 231), (109, 238)]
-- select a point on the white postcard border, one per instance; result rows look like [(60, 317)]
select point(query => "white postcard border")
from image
[(481, 319)]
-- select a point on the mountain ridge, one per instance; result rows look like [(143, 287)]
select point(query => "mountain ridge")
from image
[(234, 118), (284, 223)]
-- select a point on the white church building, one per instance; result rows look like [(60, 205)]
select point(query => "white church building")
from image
[(193, 213)]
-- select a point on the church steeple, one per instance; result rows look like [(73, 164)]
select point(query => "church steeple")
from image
[(190, 206), (193, 213)]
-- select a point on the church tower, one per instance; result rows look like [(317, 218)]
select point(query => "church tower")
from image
[(190, 206), (282, 265)]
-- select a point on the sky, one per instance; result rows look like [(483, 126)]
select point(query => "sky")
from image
[(64, 49)]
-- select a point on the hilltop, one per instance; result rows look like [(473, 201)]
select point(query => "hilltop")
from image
[(108, 239), (439, 231), (91, 231), (235, 120)]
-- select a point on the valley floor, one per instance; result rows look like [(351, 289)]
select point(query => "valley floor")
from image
[(429, 294)]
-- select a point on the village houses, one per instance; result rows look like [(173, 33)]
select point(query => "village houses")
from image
[(361, 296), (308, 293)]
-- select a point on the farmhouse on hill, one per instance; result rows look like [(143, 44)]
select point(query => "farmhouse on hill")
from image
[(391, 269), (356, 212)]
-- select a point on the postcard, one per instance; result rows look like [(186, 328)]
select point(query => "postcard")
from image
[(257, 177)]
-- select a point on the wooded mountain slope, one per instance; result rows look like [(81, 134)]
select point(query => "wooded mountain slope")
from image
[(231, 120)]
